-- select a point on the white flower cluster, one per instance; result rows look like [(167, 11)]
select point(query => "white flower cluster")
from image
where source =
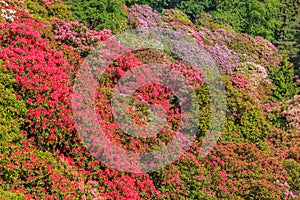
[(7, 14), (254, 71), (4, 3)]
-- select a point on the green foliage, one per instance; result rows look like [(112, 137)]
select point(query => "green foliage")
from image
[(4, 195), (100, 14), (287, 35), (205, 109), (293, 170), (246, 121), (12, 111), (164, 4), (140, 2), (60, 11), (282, 77), (194, 8), (38, 11), (44, 14), (251, 16)]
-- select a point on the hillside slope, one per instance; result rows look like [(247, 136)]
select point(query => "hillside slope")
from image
[(42, 155)]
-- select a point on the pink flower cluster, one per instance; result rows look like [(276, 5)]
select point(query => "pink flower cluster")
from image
[(267, 43), (226, 59), (254, 71), (287, 191), (48, 3), (78, 36), (143, 16), (292, 113)]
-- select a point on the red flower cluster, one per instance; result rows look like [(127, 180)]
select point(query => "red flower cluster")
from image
[(240, 81), (44, 75)]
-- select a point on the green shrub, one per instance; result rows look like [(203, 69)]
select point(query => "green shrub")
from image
[(4, 195), (246, 121), (100, 14), (43, 13), (61, 11), (12, 111), (282, 77), (293, 170), (37, 11)]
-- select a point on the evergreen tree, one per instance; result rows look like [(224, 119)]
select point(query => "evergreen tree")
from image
[(283, 80), (287, 35)]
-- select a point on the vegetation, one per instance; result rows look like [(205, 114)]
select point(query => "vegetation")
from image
[(97, 15), (44, 44)]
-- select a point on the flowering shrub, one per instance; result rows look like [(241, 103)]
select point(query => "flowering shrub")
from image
[(18, 5), (6, 12), (143, 16), (207, 20), (44, 79), (292, 167), (240, 81), (48, 3), (291, 115), (27, 53), (287, 192), (143, 98), (225, 59), (260, 50), (42, 157), (78, 36), (177, 20), (284, 116), (257, 50), (38, 174), (232, 170), (255, 72)]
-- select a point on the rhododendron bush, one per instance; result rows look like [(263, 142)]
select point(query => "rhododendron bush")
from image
[(78, 36), (42, 153), (44, 82), (230, 171)]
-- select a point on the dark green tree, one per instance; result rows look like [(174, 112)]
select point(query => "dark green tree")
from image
[(100, 14), (283, 80), (255, 17), (192, 8), (296, 59), (287, 35)]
